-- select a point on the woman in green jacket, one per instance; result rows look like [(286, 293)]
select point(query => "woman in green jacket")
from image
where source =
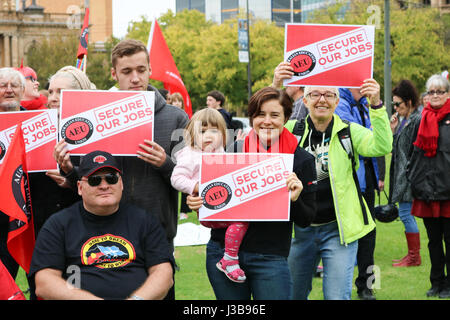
[(342, 216)]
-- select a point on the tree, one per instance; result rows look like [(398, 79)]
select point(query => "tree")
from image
[(47, 57), (206, 54), (50, 55)]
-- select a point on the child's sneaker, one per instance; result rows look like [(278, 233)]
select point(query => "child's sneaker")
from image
[(232, 270)]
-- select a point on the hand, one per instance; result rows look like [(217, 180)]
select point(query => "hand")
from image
[(371, 89), (381, 185), (58, 178), (62, 156), (282, 71), (240, 135), (153, 153), (394, 121), (194, 202), (294, 185)]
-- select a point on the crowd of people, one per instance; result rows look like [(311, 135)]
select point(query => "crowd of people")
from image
[(105, 225)]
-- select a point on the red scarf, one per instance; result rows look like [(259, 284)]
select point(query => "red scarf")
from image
[(286, 143), (35, 104), (428, 133)]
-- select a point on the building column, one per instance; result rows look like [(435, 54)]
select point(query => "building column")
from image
[(7, 50), (14, 51)]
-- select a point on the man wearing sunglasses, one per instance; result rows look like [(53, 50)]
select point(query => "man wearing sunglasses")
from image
[(102, 248)]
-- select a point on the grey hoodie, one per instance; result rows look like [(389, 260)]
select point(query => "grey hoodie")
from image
[(149, 187)]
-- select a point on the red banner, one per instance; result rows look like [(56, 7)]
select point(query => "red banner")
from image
[(163, 66), (8, 287), (15, 201), (40, 134)]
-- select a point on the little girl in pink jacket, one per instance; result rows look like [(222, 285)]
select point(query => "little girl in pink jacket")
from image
[(206, 132)]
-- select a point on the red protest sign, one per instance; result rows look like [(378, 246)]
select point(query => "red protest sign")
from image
[(329, 55), (245, 187), (40, 133), (112, 121)]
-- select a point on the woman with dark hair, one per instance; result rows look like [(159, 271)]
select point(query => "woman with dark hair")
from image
[(430, 180), (405, 102), (265, 247)]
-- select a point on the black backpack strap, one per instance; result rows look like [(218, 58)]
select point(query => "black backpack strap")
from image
[(299, 129), (346, 142)]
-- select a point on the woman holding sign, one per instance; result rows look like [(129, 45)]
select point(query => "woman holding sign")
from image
[(342, 216), (265, 247)]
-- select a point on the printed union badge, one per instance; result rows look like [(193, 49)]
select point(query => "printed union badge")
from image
[(216, 195)]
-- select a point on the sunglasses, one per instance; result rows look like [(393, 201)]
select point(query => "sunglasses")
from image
[(396, 104), (31, 78), (95, 180)]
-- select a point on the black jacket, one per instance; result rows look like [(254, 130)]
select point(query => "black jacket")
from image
[(429, 176)]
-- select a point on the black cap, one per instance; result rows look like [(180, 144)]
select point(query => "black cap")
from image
[(97, 160)]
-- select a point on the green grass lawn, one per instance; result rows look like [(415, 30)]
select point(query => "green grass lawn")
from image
[(401, 283), (191, 281)]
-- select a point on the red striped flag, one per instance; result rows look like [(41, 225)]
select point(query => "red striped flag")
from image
[(15, 201)]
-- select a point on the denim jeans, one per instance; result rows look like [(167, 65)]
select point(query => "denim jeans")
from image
[(313, 243), (268, 276), (404, 212)]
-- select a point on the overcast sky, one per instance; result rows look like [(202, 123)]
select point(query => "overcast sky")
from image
[(126, 10)]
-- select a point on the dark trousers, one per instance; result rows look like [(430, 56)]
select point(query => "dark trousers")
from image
[(438, 229), (366, 244)]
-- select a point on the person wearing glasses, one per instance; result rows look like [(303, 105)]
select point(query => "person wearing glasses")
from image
[(340, 220), (405, 101), (32, 99), (100, 247), (428, 173)]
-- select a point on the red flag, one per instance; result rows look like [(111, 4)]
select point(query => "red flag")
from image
[(15, 201), (163, 66), (82, 47), (8, 287)]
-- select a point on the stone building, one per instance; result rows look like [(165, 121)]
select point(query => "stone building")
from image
[(24, 23)]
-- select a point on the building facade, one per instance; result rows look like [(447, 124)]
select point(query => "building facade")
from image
[(100, 15), (23, 26), (23, 23), (279, 11)]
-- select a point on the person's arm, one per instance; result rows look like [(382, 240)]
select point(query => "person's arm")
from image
[(50, 285), (184, 177), (303, 210), (377, 142), (157, 284), (62, 156), (282, 72)]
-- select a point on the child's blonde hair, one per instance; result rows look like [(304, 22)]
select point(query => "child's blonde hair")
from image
[(202, 118)]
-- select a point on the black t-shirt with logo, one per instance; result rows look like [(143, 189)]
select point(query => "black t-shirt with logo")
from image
[(108, 256)]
